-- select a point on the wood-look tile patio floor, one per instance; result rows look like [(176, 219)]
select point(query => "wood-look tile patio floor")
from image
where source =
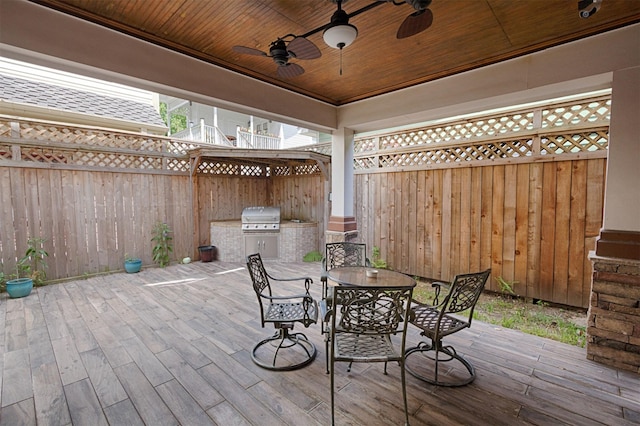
[(172, 346)]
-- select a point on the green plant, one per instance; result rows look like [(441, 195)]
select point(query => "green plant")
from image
[(128, 258), (162, 244), (33, 264), (312, 256), (506, 286), (376, 261)]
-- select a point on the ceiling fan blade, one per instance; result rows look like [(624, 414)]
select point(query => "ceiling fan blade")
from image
[(415, 23), (290, 70), (302, 48), (248, 51)]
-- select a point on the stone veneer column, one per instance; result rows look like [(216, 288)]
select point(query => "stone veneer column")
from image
[(614, 313)]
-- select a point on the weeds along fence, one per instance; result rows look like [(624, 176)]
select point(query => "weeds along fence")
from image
[(520, 192), (96, 194)]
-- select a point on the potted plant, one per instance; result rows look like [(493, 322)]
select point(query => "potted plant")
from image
[(21, 284), (30, 270), (132, 264)]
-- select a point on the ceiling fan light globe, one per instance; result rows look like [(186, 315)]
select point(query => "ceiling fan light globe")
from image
[(339, 36)]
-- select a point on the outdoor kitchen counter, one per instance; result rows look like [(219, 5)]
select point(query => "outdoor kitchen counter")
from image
[(295, 240)]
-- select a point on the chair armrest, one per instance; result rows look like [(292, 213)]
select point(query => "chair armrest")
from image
[(438, 285), (307, 280), (325, 311)]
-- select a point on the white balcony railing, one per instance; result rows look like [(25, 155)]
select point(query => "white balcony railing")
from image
[(204, 133), (256, 141)]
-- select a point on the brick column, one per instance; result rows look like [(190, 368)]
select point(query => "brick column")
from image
[(614, 313)]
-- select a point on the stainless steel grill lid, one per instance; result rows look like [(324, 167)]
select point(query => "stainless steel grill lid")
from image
[(266, 219)]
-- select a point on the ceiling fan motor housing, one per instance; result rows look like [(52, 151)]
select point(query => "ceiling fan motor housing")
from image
[(278, 51)]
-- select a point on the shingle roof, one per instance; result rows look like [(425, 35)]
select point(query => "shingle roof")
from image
[(18, 90)]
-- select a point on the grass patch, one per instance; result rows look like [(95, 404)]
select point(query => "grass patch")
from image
[(539, 318)]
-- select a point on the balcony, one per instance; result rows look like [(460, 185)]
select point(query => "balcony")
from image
[(205, 133)]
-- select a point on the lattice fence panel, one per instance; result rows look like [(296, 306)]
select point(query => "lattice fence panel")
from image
[(231, 169), (365, 145), (458, 131), (282, 171), (587, 112), (178, 165), (5, 129), (321, 148), (116, 160), (180, 147), (5, 152), (476, 152), (95, 138), (573, 143), (44, 155), (365, 163), (306, 169)]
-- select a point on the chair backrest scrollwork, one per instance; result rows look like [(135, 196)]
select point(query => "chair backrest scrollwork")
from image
[(345, 254), (465, 292)]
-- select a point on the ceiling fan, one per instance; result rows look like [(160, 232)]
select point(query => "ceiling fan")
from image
[(283, 49), (338, 33)]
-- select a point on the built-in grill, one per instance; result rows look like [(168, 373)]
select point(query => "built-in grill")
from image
[(261, 219)]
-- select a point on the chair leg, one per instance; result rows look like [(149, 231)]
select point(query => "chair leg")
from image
[(285, 340), (439, 350), (332, 391), (404, 391)]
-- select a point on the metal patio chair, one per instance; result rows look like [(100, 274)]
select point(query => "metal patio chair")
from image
[(283, 311), (362, 326), (436, 322), (337, 255)]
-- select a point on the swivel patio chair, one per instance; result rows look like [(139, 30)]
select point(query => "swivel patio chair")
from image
[(283, 311), (337, 255), (361, 329), (437, 322)]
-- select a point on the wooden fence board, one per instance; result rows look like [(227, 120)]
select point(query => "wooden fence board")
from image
[(578, 200), (475, 220), (55, 234), (429, 259), (408, 220), (421, 237), (436, 229), (497, 223), (486, 218), (562, 217), (534, 237), (465, 222), (509, 223), (547, 233), (522, 227)]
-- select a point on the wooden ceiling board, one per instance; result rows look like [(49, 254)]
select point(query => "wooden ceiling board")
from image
[(465, 34)]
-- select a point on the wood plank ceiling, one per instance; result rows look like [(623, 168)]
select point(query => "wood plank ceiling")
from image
[(465, 34)]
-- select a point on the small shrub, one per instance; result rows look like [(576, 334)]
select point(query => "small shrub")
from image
[(162, 244), (313, 256), (376, 261), (506, 286), (33, 264)]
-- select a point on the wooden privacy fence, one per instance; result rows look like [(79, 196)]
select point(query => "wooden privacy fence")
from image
[(96, 194), (520, 193)]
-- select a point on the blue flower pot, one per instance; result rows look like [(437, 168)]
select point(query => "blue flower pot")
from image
[(132, 266), (19, 287)]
